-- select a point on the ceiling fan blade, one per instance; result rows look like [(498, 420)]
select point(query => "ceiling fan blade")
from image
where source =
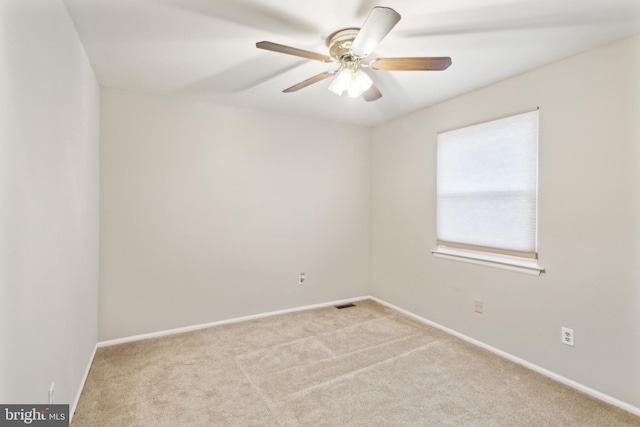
[(377, 25), (275, 47), (372, 93), (411, 64), (363, 8), (310, 81)]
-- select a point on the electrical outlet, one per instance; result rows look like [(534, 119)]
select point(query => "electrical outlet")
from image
[(479, 307), (567, 336), (301, 279), (51, 393)]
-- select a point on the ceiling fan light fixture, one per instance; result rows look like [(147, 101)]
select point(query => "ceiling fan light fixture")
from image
[(351, 80), (342, 82), (359, 84)]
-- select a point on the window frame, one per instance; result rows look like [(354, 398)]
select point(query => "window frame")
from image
[(506, 259)]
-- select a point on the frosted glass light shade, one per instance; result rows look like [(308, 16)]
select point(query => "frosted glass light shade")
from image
[(342, 82), (353, 81), (360, 83)]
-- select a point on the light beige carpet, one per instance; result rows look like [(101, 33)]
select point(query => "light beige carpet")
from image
[(361, 366)]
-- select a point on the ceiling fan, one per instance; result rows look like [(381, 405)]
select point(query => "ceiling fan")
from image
[(349, 48)]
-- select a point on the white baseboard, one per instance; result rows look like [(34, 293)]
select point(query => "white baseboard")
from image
[(564, 380), (72, 410), (223, 322)]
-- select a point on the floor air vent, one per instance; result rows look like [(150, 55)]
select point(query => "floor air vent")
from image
[(340, 307)]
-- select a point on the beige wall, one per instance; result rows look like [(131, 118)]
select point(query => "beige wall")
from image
[(49, 203), (589, 206), (210, 213)]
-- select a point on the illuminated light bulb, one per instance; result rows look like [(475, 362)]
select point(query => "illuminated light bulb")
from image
[(359, 83), (342, 82), (351, 80)]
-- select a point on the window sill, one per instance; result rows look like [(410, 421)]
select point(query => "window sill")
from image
[(502, 262)]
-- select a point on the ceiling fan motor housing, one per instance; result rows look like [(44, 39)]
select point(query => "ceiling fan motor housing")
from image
[(339, 44)]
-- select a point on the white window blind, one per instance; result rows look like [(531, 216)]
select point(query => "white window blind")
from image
[(487, 186)]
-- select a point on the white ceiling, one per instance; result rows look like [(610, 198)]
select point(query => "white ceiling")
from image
[(205, 49)]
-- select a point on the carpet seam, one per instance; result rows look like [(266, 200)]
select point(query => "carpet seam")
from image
[(257, 390), (405, 338), (307, 390)]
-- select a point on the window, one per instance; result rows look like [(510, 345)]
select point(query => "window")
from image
[(487, 193)]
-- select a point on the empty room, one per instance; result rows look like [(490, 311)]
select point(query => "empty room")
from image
[(321, 213)]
